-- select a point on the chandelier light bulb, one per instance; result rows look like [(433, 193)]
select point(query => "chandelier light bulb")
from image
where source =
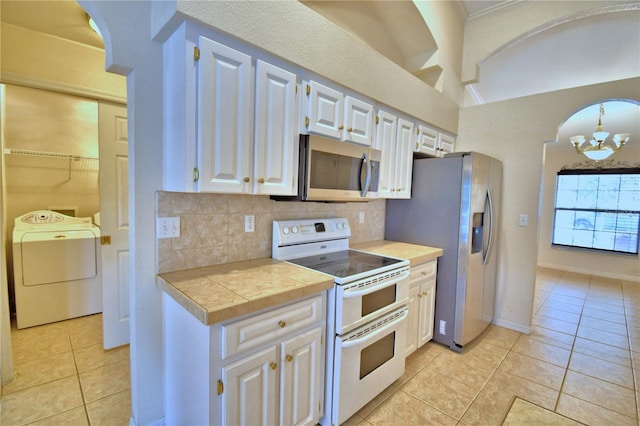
[(597, 149)]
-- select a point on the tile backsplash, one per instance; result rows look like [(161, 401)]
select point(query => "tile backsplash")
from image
[(212, 226)]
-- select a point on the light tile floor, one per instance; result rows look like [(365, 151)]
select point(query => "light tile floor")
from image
[(64, 377), (580, 361)]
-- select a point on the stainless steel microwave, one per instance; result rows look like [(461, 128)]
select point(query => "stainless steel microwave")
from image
[(330, 170)]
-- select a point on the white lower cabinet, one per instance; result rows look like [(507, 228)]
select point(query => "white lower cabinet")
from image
[(279, 385), (248, 390), (262, 369), (422, 299)]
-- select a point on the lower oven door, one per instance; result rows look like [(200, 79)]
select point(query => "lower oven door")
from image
[(367, 361), (362, 301)]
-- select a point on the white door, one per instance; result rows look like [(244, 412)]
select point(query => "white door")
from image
[(427, 142), (225, 149), (358, 121), (404, 159), (301, 381), (325, 110), (276, 136), (250, 388), (386, 142), (427, 306), (114, 222)]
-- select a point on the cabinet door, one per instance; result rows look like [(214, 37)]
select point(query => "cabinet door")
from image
[(427, 140), (427, 299), (412, 320), (276, 138), (446, 144), (358, 121), (250, 392), (302, 382), (325, 110), (225, 149), (404, 159), (386, 142)]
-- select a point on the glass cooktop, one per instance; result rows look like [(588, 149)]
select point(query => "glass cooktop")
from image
[(346, 263)]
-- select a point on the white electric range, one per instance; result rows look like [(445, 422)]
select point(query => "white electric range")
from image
[(366, 313)]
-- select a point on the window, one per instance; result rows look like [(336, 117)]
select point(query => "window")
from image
[(598, 209)]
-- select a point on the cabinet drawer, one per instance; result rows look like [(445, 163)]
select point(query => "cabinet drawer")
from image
[(254, 331), (421, 272)]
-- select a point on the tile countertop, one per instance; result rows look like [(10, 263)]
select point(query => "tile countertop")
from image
[(416, 254), (218, 293)]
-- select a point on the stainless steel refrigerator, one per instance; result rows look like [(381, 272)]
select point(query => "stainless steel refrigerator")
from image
[(455, 205)]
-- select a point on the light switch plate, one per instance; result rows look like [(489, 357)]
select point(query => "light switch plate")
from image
[(168, 227), (524, 220)]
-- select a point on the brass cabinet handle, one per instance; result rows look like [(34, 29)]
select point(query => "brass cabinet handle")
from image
[(350, 129), (282, 324), (261, 180), (289, 357), (246, 179), (273, 365), (341, 127), (417, 145)]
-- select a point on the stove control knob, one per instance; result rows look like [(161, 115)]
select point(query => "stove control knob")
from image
[(285, 230), (294, 229), (345, 225)]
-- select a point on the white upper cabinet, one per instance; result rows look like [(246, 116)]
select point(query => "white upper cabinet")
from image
[(329, 112), (325, 110), (225, 149), (432, 142), (394, 137), (276, 137), (231, 120), (404, 158), (358, 121), (446, 143), (386, 142), (426, 140)]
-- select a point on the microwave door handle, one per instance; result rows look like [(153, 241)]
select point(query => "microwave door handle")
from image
[(367, 181)]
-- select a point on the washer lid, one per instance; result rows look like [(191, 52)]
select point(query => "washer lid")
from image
[(31, 237)]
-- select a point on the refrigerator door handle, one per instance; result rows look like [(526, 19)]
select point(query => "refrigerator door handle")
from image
[(487, 253)]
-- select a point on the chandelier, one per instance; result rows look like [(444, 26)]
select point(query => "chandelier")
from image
[(597, 149)]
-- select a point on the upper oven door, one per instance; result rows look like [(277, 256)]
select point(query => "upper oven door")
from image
[(340, 171), (364, 300)]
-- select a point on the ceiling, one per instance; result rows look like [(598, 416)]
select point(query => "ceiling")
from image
[(533, 65)]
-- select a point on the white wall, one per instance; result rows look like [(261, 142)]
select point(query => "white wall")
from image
[(514, 131), (287, 29), (608, 265)]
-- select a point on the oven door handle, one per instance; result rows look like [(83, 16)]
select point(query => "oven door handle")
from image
[(377, 332), (348, 294)]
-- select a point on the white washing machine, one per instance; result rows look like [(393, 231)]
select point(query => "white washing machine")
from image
[(56, 268)]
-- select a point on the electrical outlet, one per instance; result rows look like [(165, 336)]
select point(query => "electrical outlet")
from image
[(249, 223), (361, 217), (524, 220), (168, 227)]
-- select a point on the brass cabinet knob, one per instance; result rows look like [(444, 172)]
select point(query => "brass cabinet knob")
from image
[(419, 294), (424, 273), (289, 357), (246, 179), (341, 127), (261, 180), (282, 324), (273, 365), (417, 145), (350, 129)]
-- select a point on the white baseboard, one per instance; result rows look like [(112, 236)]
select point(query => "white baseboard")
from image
[(159, 422), (512, 326), (590, 272)]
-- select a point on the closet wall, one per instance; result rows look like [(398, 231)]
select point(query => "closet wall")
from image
[(50, 152)]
